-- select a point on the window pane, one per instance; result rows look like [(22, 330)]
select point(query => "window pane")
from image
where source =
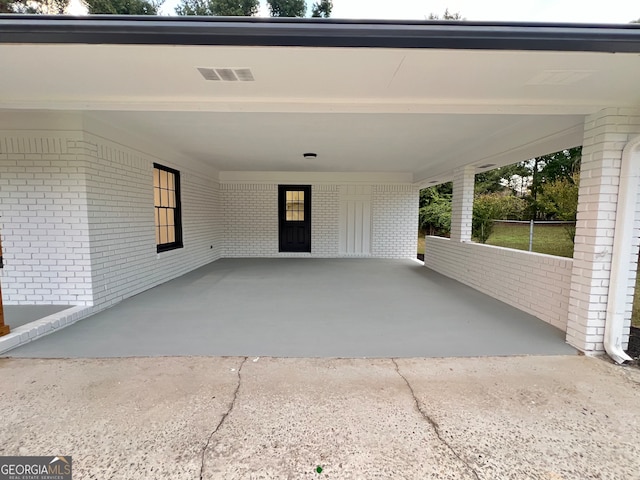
[(167, 210), (289, 197), (301, 196), (163, 235)]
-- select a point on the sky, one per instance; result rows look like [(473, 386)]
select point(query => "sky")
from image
[(589, 11)]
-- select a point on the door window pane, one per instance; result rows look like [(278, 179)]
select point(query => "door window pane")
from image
[(295, 206)]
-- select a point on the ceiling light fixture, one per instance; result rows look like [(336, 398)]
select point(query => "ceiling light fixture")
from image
[(310, 155)]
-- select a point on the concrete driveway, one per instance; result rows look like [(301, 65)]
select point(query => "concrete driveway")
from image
[(546, 418), (301, 307)]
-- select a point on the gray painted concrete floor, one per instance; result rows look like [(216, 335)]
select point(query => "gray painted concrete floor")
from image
[(544, 418), (18, 315), (306, 308)]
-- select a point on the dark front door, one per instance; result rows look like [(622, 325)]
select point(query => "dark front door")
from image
[(294, 210)]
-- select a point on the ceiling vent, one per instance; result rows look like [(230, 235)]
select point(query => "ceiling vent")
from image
[(560, 77), (227, 74)]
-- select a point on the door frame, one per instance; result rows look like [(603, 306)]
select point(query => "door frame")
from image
[(282, 216)]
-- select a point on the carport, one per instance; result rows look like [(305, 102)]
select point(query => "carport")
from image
[(157, 146), (306, 308)]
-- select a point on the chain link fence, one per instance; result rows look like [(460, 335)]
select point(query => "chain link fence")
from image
[(569, 227)]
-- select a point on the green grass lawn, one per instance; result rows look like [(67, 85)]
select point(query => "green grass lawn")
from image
[(549, 239)]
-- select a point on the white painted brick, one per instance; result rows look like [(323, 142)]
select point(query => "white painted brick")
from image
[(599, 180), (251, 221), (28, 225), (541, 289)]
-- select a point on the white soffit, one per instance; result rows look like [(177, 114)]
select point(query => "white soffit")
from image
[(287, 79), (418, 111)]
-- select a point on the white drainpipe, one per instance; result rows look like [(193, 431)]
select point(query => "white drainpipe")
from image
[(622, 250)]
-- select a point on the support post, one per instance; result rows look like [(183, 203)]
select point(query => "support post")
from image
[(462, 203), (605, 136)]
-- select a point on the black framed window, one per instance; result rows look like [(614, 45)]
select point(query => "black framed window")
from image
[(166, 196)]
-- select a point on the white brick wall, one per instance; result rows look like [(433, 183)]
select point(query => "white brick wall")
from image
[(43, 219), (251, 220), (535, 283), (605, 136), (78, 220), (121, 222), (325, 217), (395, 221)]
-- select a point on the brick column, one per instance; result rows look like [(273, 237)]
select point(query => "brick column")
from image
[(605, 136), (462, 203)]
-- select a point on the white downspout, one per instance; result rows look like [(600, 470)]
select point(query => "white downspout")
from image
[(623, 240)]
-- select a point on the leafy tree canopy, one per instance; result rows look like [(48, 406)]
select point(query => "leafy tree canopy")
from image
[(435, 209), (227, 8), (322, 9), (287, 8), (123, 7), (34, 6), (447, 15), (500, 179), (247, 8), (490, 206)]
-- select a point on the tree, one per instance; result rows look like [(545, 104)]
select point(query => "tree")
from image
[(559, 199), (124, 7), (446, 16), (494, 206), (287, 8), (500, 179), (51, 7), (322, 9), (549, 168), (226, 8), (435, 210)]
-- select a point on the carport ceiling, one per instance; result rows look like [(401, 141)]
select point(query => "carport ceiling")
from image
[(422, 111)]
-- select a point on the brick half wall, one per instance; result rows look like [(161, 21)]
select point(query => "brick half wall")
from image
[(535, 283)]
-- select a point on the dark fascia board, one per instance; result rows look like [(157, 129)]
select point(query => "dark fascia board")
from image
[(252, 31)]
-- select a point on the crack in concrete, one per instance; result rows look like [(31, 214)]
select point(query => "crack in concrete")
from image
[(432, 422), (224, 417)]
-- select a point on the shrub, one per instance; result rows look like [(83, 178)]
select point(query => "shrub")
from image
[(435, 216), (559, 199), (494, 206)]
